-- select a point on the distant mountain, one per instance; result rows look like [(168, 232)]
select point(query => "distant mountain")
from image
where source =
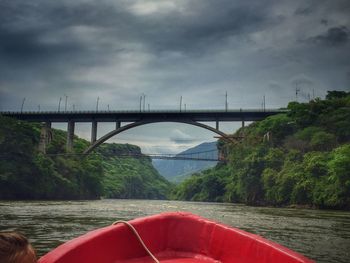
[(178, 170)]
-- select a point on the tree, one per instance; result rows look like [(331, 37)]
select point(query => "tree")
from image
[(334, 94), (339, 167), (279, 125), (323, 141)]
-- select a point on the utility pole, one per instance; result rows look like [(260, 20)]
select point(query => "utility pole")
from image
[(108, 107), (226, 105), (24, 99), (140, 103), (65, 102), (180, 103), (98, 99), (144, 102), (264, 102), (296, 90), (185, 106), (59, 104)]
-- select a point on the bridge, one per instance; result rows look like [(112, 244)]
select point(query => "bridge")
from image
[(134, 119), (207, 156)]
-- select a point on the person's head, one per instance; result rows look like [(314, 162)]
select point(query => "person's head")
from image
[(15, 248)]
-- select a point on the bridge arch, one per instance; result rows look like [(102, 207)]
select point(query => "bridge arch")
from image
[(140, 123)]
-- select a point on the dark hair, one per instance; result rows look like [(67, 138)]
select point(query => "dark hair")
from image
[(14, 247)]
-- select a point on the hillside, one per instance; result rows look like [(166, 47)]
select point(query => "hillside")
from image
[(27, 174), (304, 160), (129, 177), (179, 170)]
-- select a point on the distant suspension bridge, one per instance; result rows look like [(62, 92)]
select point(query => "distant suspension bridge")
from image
[(209, 156)]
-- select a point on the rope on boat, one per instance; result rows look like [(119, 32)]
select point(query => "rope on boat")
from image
[(132, 228)]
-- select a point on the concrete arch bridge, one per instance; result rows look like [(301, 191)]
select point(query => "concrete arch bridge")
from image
[(136, 119)]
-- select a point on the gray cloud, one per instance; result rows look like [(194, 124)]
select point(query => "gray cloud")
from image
[(117, 50), (195, 31), (179, 137), (303, 11), (334, 36)]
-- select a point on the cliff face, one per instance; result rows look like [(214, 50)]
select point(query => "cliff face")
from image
[(25, 173)]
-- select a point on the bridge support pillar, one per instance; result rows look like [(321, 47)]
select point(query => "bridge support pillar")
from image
[(70, 136), (93, 132), (45, 136), (117, 125), (217, 125)]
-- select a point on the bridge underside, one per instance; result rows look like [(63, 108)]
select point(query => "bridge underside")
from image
[(109, 135)]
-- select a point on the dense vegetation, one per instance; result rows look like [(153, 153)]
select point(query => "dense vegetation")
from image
[(129, 177), (25, 173), (306, 160)]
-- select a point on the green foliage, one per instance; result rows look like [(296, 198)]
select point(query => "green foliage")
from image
[(323, 141), (307, 133), (206, 186), (25, 173), (315, 164), (279, 125), (334, 94), (307, 161), (128, 177)]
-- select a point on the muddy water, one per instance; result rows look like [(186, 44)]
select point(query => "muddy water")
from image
[(321, 235)]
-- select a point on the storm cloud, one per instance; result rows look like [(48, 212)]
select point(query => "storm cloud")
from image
[(334, 36), (198, 49)]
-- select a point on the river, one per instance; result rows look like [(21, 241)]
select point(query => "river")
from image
[(319, 234)]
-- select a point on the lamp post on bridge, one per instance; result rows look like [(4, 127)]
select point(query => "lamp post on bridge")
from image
[(98, 99), (65, 102), (140, 103), (144, 102), (59, 104), (264, 103), (180, 103)]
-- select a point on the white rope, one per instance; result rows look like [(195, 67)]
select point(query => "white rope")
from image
[(138, 237)]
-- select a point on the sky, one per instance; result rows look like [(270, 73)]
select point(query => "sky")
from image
[(115, 51)]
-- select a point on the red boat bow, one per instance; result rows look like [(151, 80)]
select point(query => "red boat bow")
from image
[(172, 238)]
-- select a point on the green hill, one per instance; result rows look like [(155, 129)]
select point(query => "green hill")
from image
[(299, 158), (25, 173), (129, 177)]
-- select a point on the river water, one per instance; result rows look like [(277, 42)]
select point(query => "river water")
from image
[(321, 235)]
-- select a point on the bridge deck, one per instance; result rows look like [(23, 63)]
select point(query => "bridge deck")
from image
[(133, 116)]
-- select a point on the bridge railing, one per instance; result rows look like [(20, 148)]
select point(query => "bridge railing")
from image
[(142, 112)]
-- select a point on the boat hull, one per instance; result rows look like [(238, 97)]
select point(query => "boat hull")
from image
[(172, 238)]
